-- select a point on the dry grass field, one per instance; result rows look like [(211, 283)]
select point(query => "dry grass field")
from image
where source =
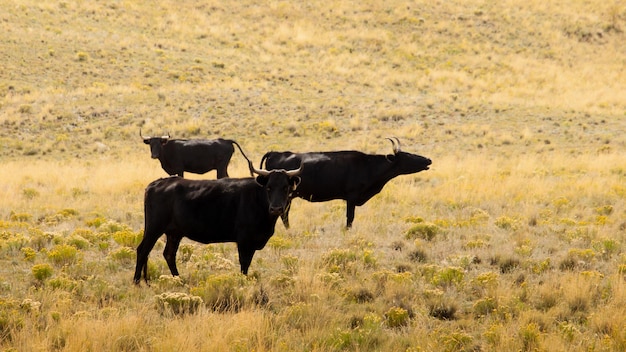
[(514, 240)]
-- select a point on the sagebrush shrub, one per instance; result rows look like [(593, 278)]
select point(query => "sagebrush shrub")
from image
[(41, 271), (63, 254), (425, 231), (177, 303)]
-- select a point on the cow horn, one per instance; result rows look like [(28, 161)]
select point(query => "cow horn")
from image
[(167, 136), (395, 147), (257, 171), (295, 172), (399, 145), (140, 135), (290, 173)]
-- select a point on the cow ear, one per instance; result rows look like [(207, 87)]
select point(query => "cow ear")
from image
[(147, 140), (390, 157), (261, 180), (295, 181)]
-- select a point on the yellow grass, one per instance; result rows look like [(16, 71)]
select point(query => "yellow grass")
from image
[(519, 104)]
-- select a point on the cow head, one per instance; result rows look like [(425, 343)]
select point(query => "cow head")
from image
[(278, 185), (155, 143), (407, 163)]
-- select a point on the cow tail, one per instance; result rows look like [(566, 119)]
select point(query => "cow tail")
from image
[(242, 153), (263, 159)]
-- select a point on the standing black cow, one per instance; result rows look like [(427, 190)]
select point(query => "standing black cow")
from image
[(349, 175), (197, 156), (241, 210)]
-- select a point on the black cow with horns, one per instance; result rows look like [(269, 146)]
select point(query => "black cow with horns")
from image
[(240, 210), (197, 156), (349, 175)]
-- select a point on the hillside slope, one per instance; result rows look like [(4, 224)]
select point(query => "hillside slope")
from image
[(82, 77)]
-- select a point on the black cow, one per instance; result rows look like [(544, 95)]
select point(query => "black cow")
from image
[(349, 175), (197, 156), (241, 210)]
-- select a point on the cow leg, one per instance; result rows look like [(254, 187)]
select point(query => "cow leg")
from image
[(143, 250), (222, 172), (169, 253), (350, 206), (222, 168), (245, 257)]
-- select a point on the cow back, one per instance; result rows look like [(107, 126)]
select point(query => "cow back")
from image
[(207, 211)]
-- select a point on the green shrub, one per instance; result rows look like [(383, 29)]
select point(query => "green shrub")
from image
[(112, 227), (41, 271), (40, 239), (63, 254), (457, 341), (425, 231), (369, 260), (530, 335), (29, 254), (25, 109), (20, 217), (127, 238), (82, 56), (30, 193), (78, 241), (63, 283), (448, 277), (169, 282), (30, 305), (96, 222), (485, 282), (332, 280), (396, 317), (185, 251), (67, 213), (339, 259), (124, 255), (475, 244), (606, 247), (484, 307), (177, 303), (14, 242), (279, 243), (223, 292), (11, 320), (290, 263), (506, 223)]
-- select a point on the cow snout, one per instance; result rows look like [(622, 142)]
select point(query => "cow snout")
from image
[(276, 210)]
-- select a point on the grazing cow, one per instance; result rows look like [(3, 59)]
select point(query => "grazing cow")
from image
[(197, 156), (349, 175), (241, 210)]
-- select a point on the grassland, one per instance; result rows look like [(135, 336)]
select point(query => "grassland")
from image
[(514, 240)]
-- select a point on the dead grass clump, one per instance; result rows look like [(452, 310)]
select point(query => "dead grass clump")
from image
[(506, 265), (360, 295), (442, 309), (418, 256)]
